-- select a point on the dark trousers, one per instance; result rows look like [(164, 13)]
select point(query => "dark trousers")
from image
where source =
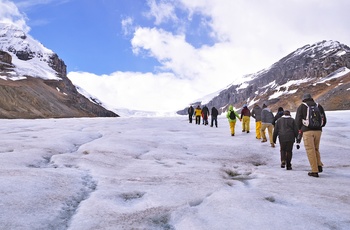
[(205, 120), (287, 152), (214, 120), (190, 117), (198, 120)]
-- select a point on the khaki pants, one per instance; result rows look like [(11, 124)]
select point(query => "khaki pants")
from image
[(312, 143), (246, 123), (269, 129), (232, 126), (258, 129)]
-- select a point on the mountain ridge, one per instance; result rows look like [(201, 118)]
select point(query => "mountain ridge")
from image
[(321, 69)]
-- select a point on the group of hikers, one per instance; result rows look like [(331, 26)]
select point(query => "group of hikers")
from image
[(203, 113), (307, 126)]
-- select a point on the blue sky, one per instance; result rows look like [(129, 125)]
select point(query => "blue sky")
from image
[(172, 52), (87, 35)]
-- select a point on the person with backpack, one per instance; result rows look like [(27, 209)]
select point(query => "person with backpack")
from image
[(198, 114), (287, 131), (266, 123), (214, 117), (256, 114), (245, 116), (310, 119), (231, 116), (190, 112)]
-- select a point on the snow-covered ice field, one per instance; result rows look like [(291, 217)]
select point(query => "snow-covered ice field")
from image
[(164, 173)]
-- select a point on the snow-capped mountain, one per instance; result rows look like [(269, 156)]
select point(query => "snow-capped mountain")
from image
[(34, 83), (321, 69), (29, 56)]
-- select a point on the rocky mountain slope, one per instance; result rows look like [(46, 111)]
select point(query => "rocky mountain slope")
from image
[(34, 83), (321, 69)]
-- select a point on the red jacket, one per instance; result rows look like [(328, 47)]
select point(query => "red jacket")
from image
[(245, 112)]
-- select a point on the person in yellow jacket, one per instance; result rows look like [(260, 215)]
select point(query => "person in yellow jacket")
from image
[(198, 114), (231, 116)]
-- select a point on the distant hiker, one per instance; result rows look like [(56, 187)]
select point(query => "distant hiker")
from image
[(245, 116), (256, 114), (205, 114), (214, 117), (190, 112), (310, 119), (287, 131), (266, 123), (231, 116), (198, 114), (279, 114)]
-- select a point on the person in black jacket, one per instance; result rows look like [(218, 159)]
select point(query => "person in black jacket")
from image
[(190, 112), (279, 114), (205, 115), (287, 131), (311, 136), (214, 117)]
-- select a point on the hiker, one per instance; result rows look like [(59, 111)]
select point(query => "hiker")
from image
[(287, 131), (311, 130), (198, 114), (280, 113), (190, 112), (256, 114), (245, 116), (205, 114), (214, 117), (231, 116), (266, 123)]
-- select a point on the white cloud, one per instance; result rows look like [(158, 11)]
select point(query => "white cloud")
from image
[(163, 11), (32, 3), (10, 14), (127, 25), (139, 91)]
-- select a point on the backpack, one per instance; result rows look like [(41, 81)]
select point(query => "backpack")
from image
[(232, 115), (314, 118)]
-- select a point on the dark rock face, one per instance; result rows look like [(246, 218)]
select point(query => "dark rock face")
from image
[(308, 69), (5, 61), (5, 58)]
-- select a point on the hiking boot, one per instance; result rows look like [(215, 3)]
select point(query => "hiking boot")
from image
[(243, 131), (272, 145), (232, 134), (314, 174), (264, 140), (289, 168), (247, 131), (283, 164), (320, 169)]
